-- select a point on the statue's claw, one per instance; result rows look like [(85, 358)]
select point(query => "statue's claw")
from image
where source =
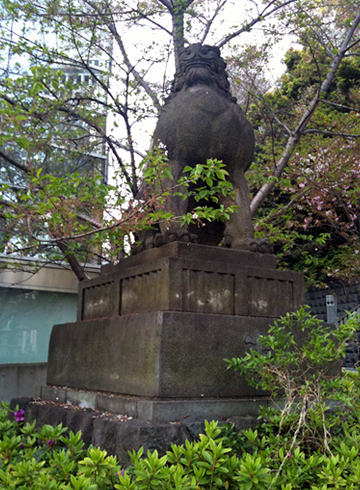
[(152, 240), (179, 235), (251, 245)]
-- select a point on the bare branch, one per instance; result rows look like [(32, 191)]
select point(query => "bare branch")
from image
[(353, 44), (210, 21), (330, 133), (167, 4), (63, 246), (300, 128), (140, 80), (93, 232), (152, 21), (126, 147), (246, 28), (287, 129), (73, 262), (13, 162), (340, 106), (89, 220)]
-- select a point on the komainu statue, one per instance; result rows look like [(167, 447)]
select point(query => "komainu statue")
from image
[(201, 120)]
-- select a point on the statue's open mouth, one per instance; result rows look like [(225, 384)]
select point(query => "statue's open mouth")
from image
[(199, 64)]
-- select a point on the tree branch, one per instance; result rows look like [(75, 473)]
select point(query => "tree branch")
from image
[(353, 44), (167, 4), (330, 133), (139, 79), (300, 128), (73, 262), (13, 162), (89, 220), (210, 21), (340, 106), (263, 15)]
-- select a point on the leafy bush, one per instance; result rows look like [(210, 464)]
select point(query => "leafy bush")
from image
[(51, 460), (303, 445), (300, 359)]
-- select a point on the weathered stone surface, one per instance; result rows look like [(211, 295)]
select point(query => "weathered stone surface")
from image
[(193, 278), (193, 251), (162, 354), (199, 121), (81, 420), (104, 431), (165, 409), (22, 403), (166, 324), (116, 437), (149, 435)]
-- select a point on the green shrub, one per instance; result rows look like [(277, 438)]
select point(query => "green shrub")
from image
[(300, 360), (304, 445), (51, 460)]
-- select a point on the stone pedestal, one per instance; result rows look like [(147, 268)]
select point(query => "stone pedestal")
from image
[(159, 325)]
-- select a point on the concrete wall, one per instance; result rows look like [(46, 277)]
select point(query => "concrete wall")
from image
[(37, 275), (34, 276), (18, 380)]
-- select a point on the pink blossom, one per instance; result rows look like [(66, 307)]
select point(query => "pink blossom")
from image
[(19, 416)]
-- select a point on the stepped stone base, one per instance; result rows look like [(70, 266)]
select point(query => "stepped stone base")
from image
[(169, 410), (192, 278), (149, 345), (161, 323), (156, 354), (119, 434)]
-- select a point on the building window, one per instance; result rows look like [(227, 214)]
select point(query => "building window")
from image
[(26, 321)]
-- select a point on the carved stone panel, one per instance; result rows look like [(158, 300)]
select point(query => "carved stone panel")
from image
[(264, 296), (208, 292), (232, 286), (142, 293), (100, 301)]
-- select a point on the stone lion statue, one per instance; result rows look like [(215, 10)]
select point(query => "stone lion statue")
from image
[(201, 120)]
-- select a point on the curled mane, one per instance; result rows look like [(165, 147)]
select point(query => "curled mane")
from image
[(201, 64)]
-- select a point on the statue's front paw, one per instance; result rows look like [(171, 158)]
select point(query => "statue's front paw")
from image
[(253, 245), (152, 240), (179, 235)]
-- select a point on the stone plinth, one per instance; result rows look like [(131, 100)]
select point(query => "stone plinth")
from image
[(160, 324), (156, 354), (166, 409), (192, 278)]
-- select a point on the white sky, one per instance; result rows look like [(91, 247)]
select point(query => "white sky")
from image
[(137, 40)]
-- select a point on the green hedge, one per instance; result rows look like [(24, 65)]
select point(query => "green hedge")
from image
[(251, 460), (302, 445)]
